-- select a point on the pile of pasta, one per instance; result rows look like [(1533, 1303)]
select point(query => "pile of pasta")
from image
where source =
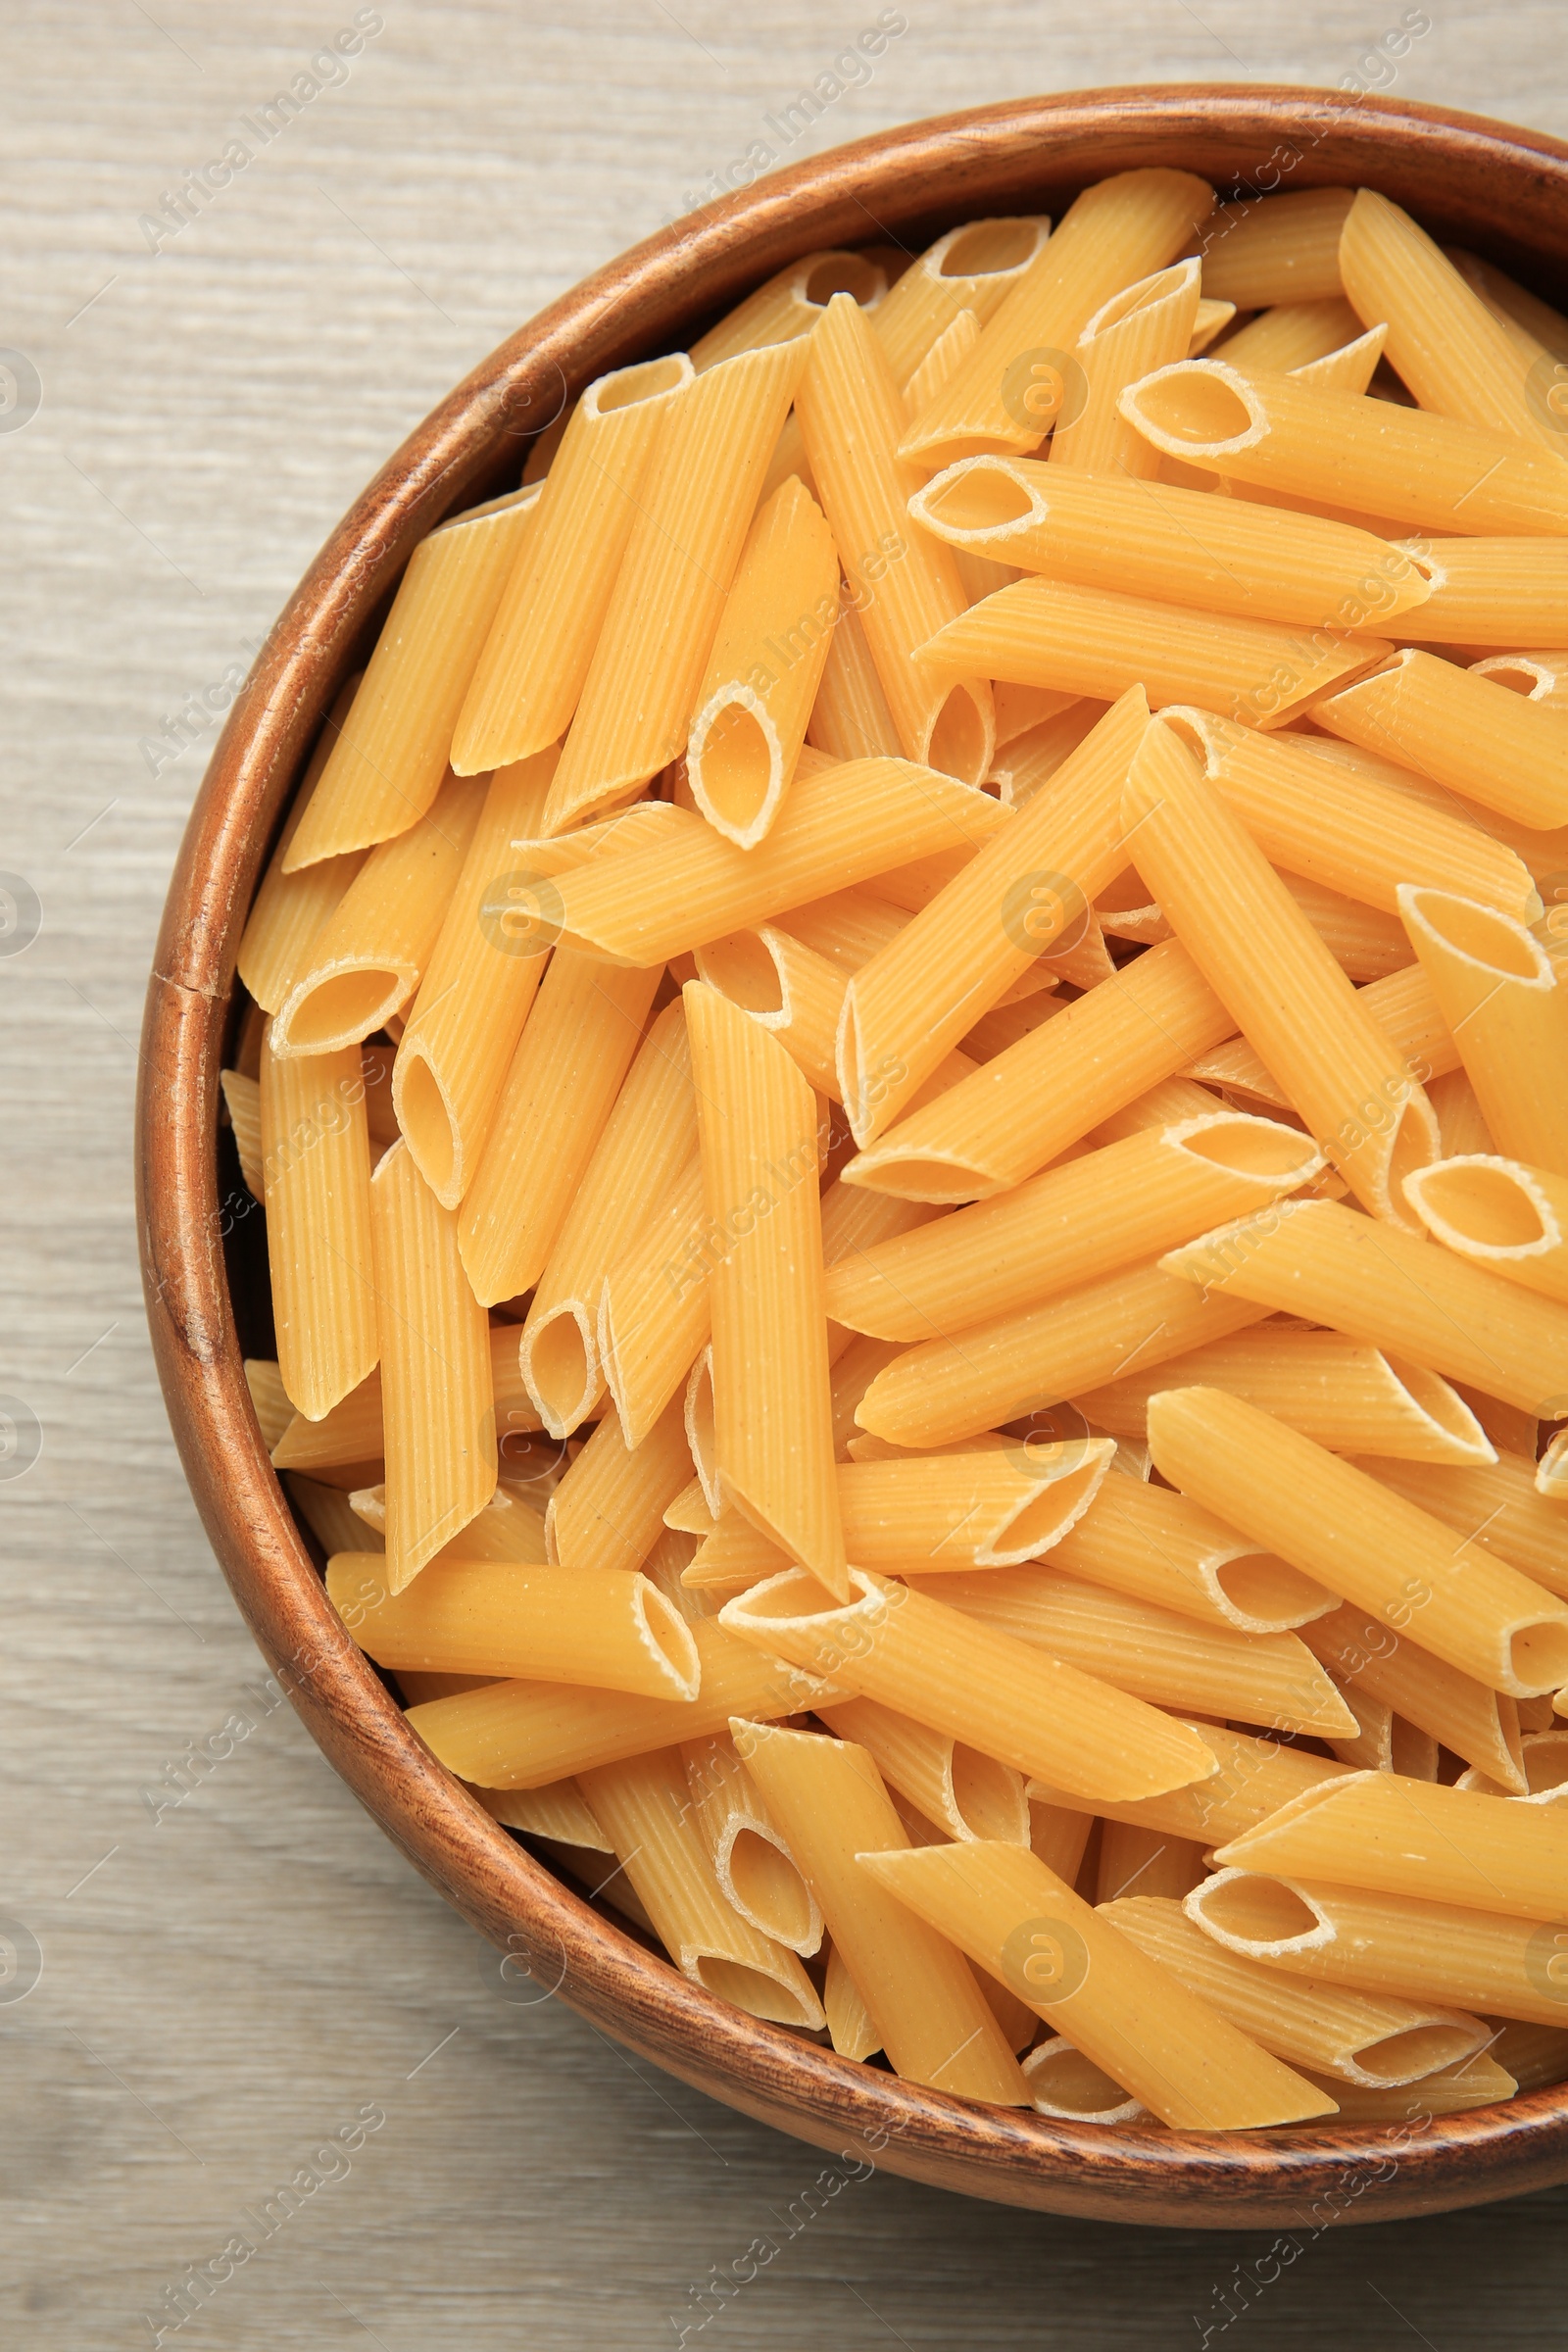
[(909, 1062)]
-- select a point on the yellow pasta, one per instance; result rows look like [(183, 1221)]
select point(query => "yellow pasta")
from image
[(671, 579), (655, 1317), (787, 989), (972, 269), (316, 1167), (1500, 1213), (386, 766), (608, 1510), (437, 1400), (1506, 1008), (1491, 591), (1280, 249), (790, 304), (1009, 392), (268, 1398), (560, 1812), (1461, 729), (1131, 2017), (851, 416), (1252, 1778), (1363, 1542), (1159, 1866), (752, 1861), (1468, 1716), (965, 1794), (510, 1528), (1162, 1548), (367, 961), (1541, 677), (1144, 327), (1404, 1009), (849, 717), (1291, 335), (290, 909), (530, 673)]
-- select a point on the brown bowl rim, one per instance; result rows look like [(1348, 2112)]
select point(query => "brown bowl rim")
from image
[(1463, 171)]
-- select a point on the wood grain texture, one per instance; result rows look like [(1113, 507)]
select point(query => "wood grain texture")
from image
[(245, 1970)]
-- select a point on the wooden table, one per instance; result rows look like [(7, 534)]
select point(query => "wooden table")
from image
[(237, 1968)]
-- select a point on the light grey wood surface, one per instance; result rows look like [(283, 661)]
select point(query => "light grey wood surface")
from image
[(230, 1981)]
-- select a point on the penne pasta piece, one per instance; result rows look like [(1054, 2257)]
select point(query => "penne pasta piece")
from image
[(1415, 1839), (646, 1146), (699, 489), (791, 302), (1347, 370), (943, 360), (1504, 1002), (1069, 1225), (1347, 450), (329, 1514), (849, 717), (1291, 335), (1405, 1010), (1499, 1214), (988, 1689), (1131, 2017), (598, 1626), (1371, 1748), (1534, 2055), (1142, 328), (1491, 591), (1010, 391), (1351, 2038), (1386, 1944), (315, 1169), (1156, 1864), (924, 2007), (1542, 1767), (1153, 1653), (1262, 957), (1060, 1838), (1551, 1476), (1547, 329), (972, 269), (525, 686), (772, 1412), (1252, 1778), (752, 1861), (268, 1398), (1177, 547), (1336, 1390), (1365, 944), (1442, 342), (388, 763), (966, 1794), (1212, 319), (1070, 2087), (367, 961), (1477, 2081), (1041, 750), (1054, 1086), (1360, 1539), (351, 1433), (655, 1316), (1094, 641), (510, 1528), (288, 910), (940, 1391), (851, 416), (1541, 677), (556, 1098), (1412, 1750), (936, 1513), (476, 990), (1463, 730), (646, 1812), (1277, 249), (1160, 1547), (1347, 832), (1026, 892), (437, 1397), (608, 1510), (848, 2021), (523, 1735), (762, 677), (560, 1812)]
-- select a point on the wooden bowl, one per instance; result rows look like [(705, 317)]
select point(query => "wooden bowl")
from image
[(1501, 192)]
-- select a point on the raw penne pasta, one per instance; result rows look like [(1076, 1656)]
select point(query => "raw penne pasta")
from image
[(1334, 1390), (645, 1811), (1280, 249), (1463, 730), (608, 1510), (972, 269), (1403, 1007), (1500, 1214), (1415, 1839), (1071, 2087), (750, 1859), (1360, 1539), (510, 1528), (851, 416), (1543, 1758), (1025, 892), (1351, 368), (787, 989), (1443, 342), (1140, 328), (962, 1792), (1010, 393), (1353, 2038), (1152, 1653), (437, 1398), (290, 909), (560, 1812), (476, 990), (350, 1434), (268, 1398), (655, 1316), (1541, 677), (772, 1416), (1506, 298), (316, 1173), (1504, 1002), (1036, 755), (1177, 547), (762, 677), (1290, 1000), (525, 686), (1491, 591), (1460, 1121), (924, 2005), (1346, 450), (1096, 641), (1160, 1865), (1133, 2017), (1162, 1548), (598, 1626), (1291, 335), (386, 766), (791, 302), (1534, 2055), (671, 579), (988, 1689), (849, 717), (1070, 1224), (1252, 1778), (556, 1098), (1387, 1943), (366, 960), (1468, 1716), (646, 1145), (848, 2021), (930, 1514)]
